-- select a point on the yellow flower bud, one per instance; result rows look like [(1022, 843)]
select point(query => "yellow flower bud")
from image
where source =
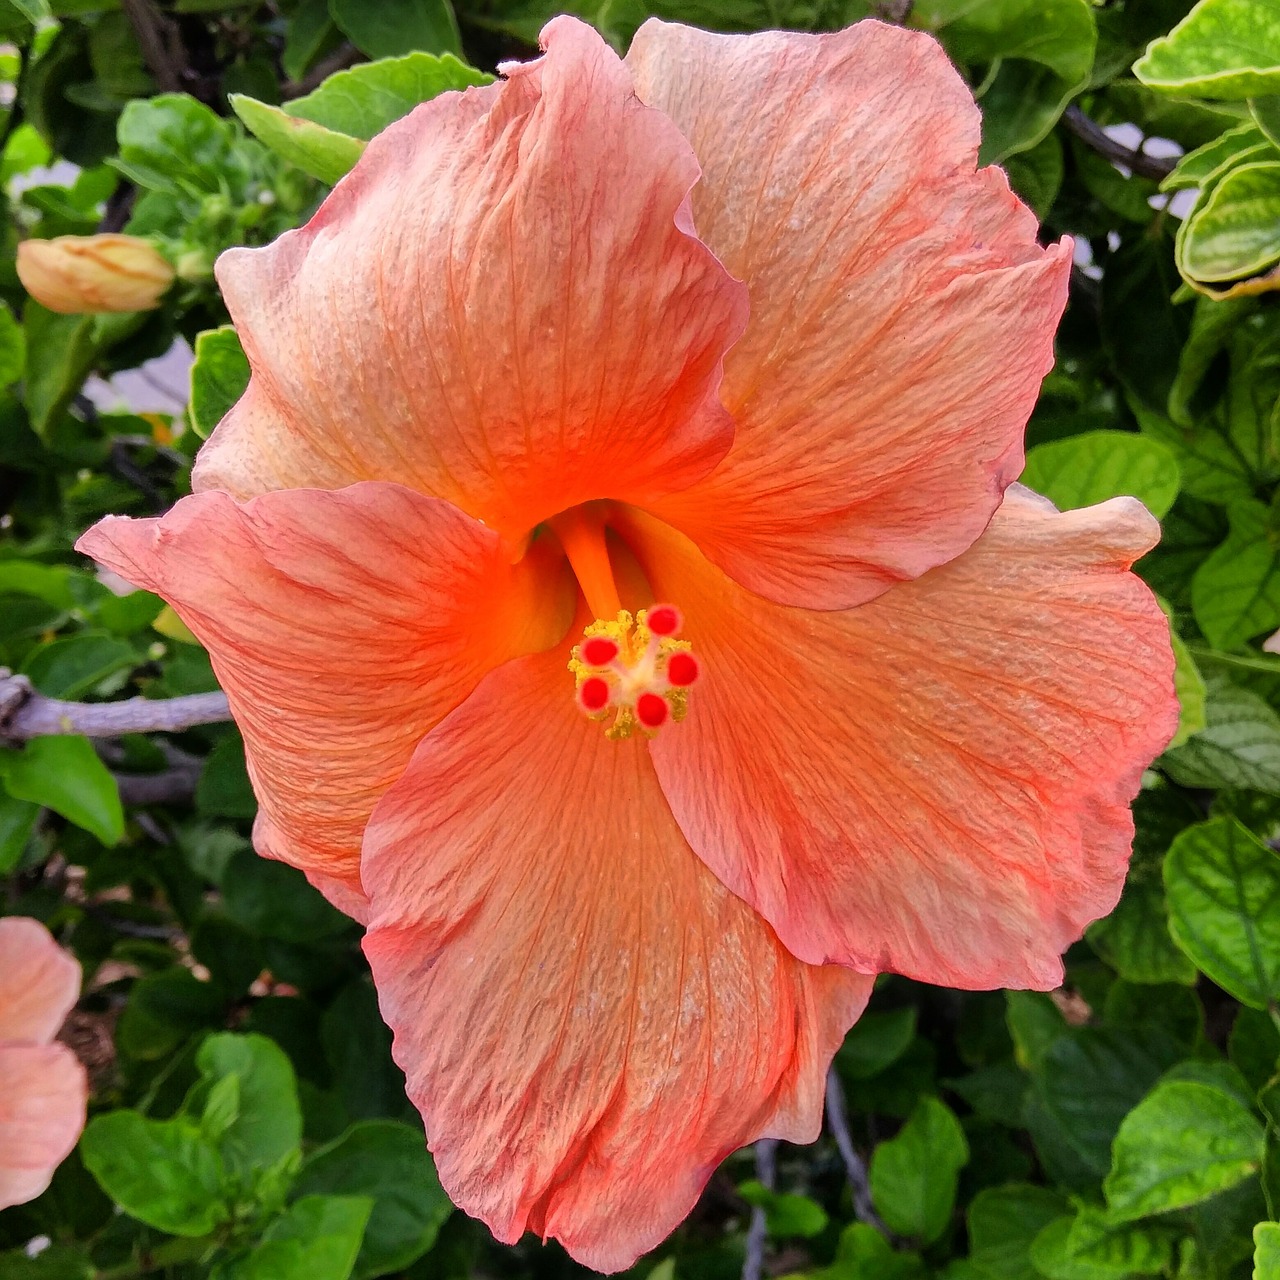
[(74, 274)]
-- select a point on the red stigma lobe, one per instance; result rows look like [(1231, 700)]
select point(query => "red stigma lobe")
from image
[(594, 694), (682, 669), (599, 651), (652, 710), (664, 620)]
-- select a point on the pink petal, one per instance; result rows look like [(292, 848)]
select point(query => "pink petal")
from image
[(342, 626), (39, 981), (503, 305), (902, 315), (588, 1020), (43, 1091), (938, 782)]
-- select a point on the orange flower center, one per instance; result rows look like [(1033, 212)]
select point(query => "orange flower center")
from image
[(631, 670)]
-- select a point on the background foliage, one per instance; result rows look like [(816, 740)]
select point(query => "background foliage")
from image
[(248, 1121)]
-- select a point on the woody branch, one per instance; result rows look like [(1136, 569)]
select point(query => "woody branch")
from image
[(26, 713)]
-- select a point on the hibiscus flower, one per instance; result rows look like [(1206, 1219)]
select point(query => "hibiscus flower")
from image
[(43, 1087), (613, 570)]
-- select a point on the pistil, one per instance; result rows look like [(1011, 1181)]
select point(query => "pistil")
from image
[(582, 534), (631, 671)]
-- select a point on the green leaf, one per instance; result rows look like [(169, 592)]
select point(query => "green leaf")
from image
[(361, 101), (162, 1172), (1223, 886), (864, 1254), (1142, 330), (1182, 1144), (1266, 114), (1119, 1250), (1213, 326), (1254, 1047), (393, 27), (221, 1108), (164, 1009), (1134, 939), (786, 1216), (1041, 50), (1238, 747), (324, 132), (13, 348), (876, 1041), (1235, 231), (1189, 686), (219, 376), (1086, 1082), (1215, 466), (64, 774), (1096, 465), (388, 1162), (1035, 1023), (1051, 1259), (173, 143), (914, 1175), (1236, 592), (1266, 1251), (1200, 169), (224, 789), (318, 1238), (320, 152), (17, 825), (1003, 1222), (1036, 174), (50, 583), (70, 666), (269, 1122), (61, 351), (273, 900), (1227, 49), (57, 1262), (311, 34)]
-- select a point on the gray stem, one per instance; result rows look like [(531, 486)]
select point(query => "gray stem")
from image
[(766, 1153), (854, 1166), (25, 713)]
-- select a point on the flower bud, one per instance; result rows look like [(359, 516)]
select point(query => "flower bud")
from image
[(73, 274)]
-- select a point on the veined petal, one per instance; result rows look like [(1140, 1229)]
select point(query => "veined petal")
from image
[(342, 625), (589, 1021), (902, 314), (936, 783), (503, 305), (39, 981), (43, 1092)]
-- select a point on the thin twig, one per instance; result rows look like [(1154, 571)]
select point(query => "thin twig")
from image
[(766, 1153), (157, 39), (171, 786), (344, 56), (854, 1166), (24, 713), (1096, 138)]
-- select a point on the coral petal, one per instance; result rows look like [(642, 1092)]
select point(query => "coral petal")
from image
[(39, 981), (936, 783), (503, 305), (902, 314), (43, 1093), (588, 1020), (342, 625)]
